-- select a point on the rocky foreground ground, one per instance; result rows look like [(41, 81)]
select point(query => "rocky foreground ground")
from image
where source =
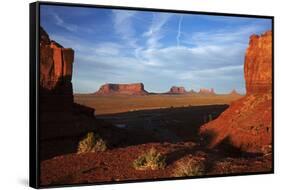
[(116, 164), (173, 132)]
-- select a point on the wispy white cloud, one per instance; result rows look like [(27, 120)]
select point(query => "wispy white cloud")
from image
[(222, 36), (179, 30), (122, 21), (86, 48), (224, 72), (155, 32), (182, 57), (60, 22), (108, 48)]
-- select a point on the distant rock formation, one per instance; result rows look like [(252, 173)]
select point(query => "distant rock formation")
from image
[(177, 90), (234, 93), (247, 123), (206, 91), (122, 89), (192, 91)]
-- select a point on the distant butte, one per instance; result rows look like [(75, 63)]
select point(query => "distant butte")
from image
[(234, 93), (122, 89), (206, 91), (177, 90), (138, 89)]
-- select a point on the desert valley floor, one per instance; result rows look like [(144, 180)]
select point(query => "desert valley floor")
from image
[(127, 103), (169, 123)]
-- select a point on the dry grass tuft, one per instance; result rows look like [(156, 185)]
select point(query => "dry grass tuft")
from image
[(91, 143), (189, 167), (151, 160)]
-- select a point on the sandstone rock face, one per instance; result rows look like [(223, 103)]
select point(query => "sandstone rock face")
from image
[(258, 64), (122, 89), (177, 90), (206, 91), (55, 62), (247, 123), (58, 113)]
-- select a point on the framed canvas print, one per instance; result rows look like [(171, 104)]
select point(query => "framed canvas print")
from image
[(120, 94)]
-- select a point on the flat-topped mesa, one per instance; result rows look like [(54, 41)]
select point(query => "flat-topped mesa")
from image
[(247, 123), (177, 90), (122, 89), (258, 64), (206, 91)]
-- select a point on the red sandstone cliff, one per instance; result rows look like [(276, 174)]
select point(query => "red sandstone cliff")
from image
[(59, 122), (258, 64), (247, 123), (55, 63), (177, 90), (122, 89)]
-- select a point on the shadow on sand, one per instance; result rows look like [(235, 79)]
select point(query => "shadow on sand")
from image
[(163, 125)]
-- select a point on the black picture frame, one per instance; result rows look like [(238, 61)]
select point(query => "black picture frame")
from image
[(34, 96)]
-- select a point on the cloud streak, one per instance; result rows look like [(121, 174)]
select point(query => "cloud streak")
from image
[(179, 30), (60, 22), (154, 33), (123, 25), (219, 73)]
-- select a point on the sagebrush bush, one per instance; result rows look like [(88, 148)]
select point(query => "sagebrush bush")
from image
[(151, 160), (91, 143), (189, 167)]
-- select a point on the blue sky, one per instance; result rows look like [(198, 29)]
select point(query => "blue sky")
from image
[(158, 49)]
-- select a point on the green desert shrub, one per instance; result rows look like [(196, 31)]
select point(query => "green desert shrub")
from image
[(189, 167), (151, 160), (210, 117), (91, 143)]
